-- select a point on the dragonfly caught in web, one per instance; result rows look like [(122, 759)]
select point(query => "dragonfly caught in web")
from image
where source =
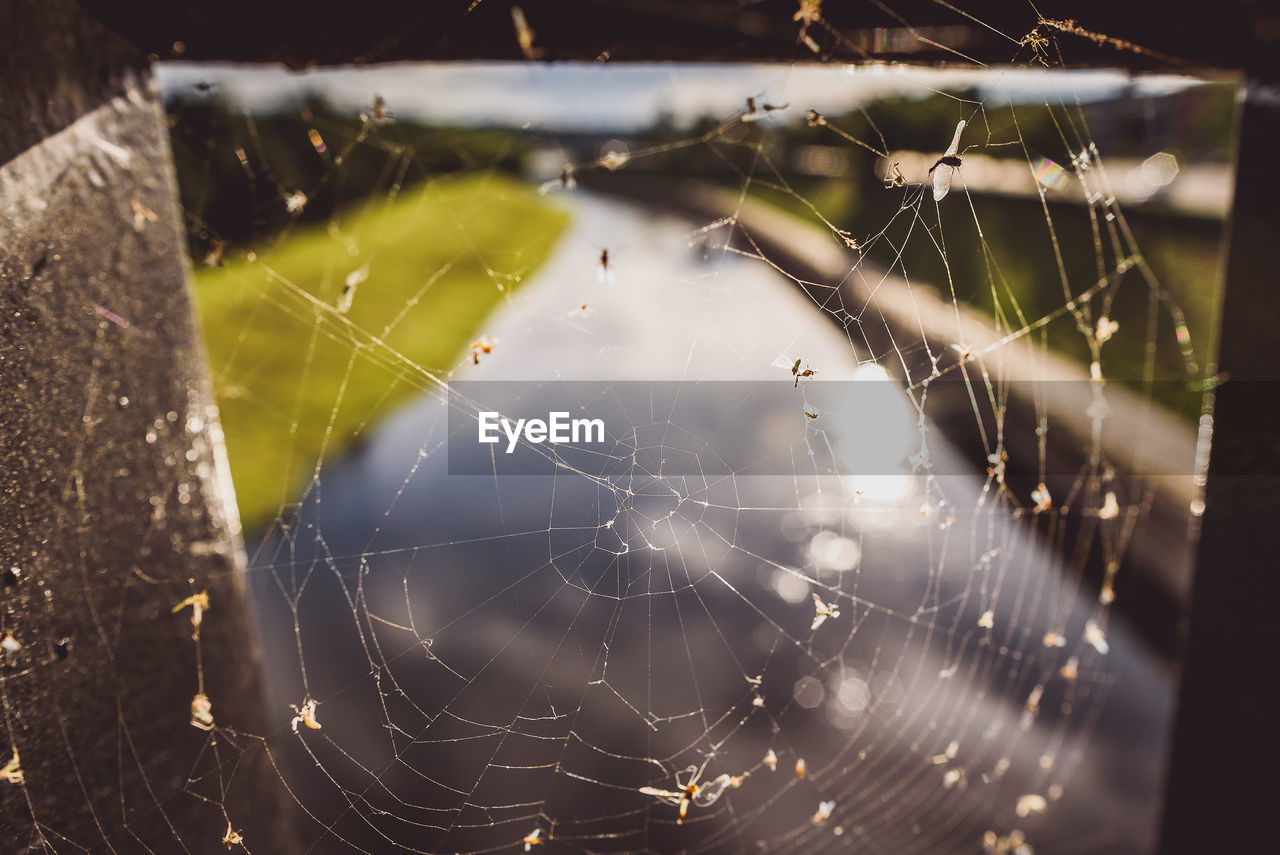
[(944, 170), (702, 795)]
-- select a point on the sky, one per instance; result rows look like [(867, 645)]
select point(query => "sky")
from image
[(617, 97)]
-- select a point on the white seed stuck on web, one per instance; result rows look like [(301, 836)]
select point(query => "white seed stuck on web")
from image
[(1030, 804), (1110, 507), (12, 771), (199, 605), (1094, 636), (1013, 843), (532, 839), (1031, 708), (1106, 329), (822, 611), (1055, 639), (202, 712), (615, 156), (996, 465), (9, 644), (944, 170), (823, 813), (1040, 495), (232, 837)]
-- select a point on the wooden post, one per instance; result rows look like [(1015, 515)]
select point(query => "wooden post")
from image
[(1221, 789), (115, 503)]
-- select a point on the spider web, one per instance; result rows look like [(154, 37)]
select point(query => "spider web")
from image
[(500, 662)]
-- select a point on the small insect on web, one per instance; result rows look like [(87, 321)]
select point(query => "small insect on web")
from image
[(785, 361), (379, 111), (894, 177), (605, 273), (809, 13), (702, 795), (482, 345), (565, 181), (353, 281), (755, 111), (822, 611), (944, 170), (800, 375), (213, 258), (305, 714), (525, 35)]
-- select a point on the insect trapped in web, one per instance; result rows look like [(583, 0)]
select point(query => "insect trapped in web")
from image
[(944, 170), (702, 795)]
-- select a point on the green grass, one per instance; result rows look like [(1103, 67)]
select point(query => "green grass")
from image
[(293, 380)]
